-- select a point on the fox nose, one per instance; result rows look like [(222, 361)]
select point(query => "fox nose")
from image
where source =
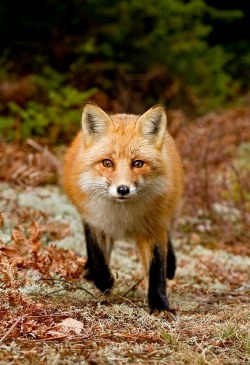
[(123, 190)]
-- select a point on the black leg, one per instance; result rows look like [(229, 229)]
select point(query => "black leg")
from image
[(171, 260), (96, 266), (157, 298)]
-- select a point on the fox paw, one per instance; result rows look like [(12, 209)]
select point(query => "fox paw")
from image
[(158, 305), (104, 283), (102, 277), (169, 315)]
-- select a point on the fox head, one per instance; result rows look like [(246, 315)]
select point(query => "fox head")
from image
[(123, 155)]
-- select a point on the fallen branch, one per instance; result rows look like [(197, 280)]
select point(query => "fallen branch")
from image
[(133, 287), (53, 159), (11, 329)]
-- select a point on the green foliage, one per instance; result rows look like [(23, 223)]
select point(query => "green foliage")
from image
[(170, 339), (57, 119), (138, 36), (230, 31), (137, 52)]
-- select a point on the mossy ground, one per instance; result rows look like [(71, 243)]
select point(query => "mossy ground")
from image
[(210, 293)]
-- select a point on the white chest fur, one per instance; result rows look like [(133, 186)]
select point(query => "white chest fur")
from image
[(120, 220)]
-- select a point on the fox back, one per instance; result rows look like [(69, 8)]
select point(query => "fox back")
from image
[(124, 175)]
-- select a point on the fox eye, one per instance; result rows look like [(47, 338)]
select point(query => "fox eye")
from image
[(138, 164), (107, 163)]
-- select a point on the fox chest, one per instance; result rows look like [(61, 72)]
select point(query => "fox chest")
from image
[(121, 221)]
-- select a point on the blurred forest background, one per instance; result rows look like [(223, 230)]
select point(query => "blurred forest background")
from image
[(125, 55)]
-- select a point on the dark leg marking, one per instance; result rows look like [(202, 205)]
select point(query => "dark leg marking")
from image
[(157, 297), (171, 260), (97, 269)]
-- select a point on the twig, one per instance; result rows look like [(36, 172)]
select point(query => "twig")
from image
[(132, 287), (68, 282), (53, 159), (133, 304), (54, 292), (11, 329)]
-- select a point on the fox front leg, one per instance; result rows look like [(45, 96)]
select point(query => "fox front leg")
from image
[(96, 267), (154, 257), (171, 260), (157, 297)]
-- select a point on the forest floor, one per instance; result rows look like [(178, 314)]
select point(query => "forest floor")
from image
[(51, 315)]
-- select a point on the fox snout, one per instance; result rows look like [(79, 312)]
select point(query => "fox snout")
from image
[(121, 191)]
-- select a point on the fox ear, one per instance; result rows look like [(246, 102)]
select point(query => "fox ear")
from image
[(152, 124), (95, 122)]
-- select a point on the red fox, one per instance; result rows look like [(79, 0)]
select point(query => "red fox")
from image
[(124, 175)]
